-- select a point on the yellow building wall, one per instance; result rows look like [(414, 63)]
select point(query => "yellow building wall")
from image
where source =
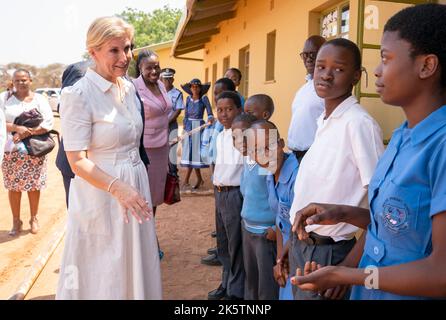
[(293, 22), (186, 70), (254, 20)]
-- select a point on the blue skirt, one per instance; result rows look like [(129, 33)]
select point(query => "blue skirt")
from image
[(191, 156)]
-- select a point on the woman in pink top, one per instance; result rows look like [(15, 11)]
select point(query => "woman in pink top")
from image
[(156, 109)]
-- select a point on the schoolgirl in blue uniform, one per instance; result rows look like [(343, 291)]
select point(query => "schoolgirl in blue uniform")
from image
[(403, 252)]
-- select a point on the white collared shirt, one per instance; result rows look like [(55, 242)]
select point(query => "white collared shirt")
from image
[(229, 162), (339, 165), (98, 115), (306, 108), (13, 108)]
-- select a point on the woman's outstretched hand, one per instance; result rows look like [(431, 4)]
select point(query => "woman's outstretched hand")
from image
[(130, 199)]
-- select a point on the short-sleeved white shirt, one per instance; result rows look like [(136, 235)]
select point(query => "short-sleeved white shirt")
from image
[(339, 165), (306, 109), (13, 107), (229, 162), (93, 118)]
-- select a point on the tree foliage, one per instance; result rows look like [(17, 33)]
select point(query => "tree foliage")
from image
[(154, 27), (49, 76), (150, 28)]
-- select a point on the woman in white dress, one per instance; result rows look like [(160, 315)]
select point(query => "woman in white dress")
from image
[(110, 245)]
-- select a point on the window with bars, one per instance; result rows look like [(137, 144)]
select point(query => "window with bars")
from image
[(335, 22)]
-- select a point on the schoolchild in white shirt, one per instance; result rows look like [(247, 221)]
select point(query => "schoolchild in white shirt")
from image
[(339, 165), (228, 202)]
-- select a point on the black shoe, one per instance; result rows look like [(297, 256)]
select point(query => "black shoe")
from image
[(217, 294), (214, 234), (226, 297), (211, 260), (212, 251)]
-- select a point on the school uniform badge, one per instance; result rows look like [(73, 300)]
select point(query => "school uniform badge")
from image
[(395, 215)]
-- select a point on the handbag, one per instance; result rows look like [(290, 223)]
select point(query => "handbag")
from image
[(38, 145), (172, 189)]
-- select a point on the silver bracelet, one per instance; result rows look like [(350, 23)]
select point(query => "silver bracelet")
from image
[(111, 183)]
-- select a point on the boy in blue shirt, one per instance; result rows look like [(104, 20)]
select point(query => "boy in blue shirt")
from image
[(258, 220), (283, 166)]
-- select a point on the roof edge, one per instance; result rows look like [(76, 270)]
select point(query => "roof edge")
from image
[(184, 20)]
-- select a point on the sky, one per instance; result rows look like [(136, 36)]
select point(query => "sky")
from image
[(41, 32)]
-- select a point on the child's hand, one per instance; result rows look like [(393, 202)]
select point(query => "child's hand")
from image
[(315, 213), (283, 262), (271, 234), (337, 293), (279, 276), (211, 121), (316, 278)]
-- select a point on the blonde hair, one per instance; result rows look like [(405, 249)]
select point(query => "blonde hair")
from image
[(106, 28)]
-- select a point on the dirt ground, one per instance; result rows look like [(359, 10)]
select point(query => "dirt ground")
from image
[(183, 231)]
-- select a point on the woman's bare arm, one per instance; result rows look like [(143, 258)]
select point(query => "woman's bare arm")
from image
[(127, 196)]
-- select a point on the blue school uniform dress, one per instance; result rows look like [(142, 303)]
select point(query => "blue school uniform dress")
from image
[(406, 191), (191, 156), (280, 197)]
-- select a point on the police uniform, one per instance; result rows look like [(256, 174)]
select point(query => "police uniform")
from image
[(176, 96)]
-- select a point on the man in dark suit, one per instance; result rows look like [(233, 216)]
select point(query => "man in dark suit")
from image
[(73, 73)]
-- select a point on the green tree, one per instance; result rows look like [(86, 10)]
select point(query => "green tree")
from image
[(155, 27)]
